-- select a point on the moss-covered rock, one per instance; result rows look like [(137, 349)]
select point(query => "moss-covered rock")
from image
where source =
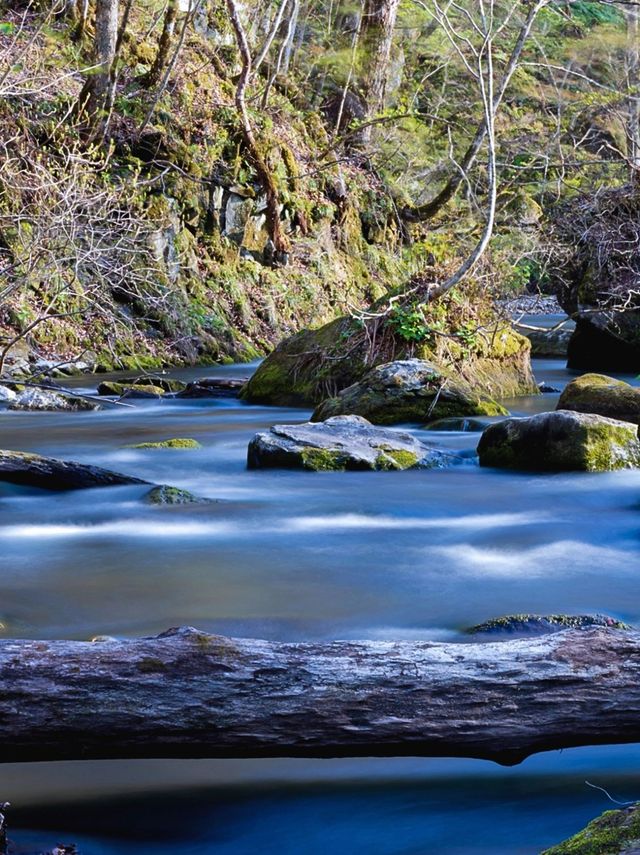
[(124, 390), (597, 393), (411, 390), (527, 624), (164, 494), (342, 443), (561, 441), (318, 364), (181, 443), (613, 833)]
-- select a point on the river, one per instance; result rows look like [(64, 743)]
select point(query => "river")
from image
[(293, 555)]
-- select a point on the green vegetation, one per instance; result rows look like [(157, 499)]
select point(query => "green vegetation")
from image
[(616, 831), (168, 443)]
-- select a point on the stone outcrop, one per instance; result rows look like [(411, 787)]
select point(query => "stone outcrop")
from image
[(317, 364)]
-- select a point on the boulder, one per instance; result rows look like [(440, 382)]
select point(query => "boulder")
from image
[(7, 395), (33, 470), (214, 387), (527, 624), (135, 390), (561, 441), (317, 364), (180, 443), (47, 400), (597, 393), (342, 443), (613, 833), (410, 390)]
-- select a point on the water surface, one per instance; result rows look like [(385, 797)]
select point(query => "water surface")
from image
[(293, 555)]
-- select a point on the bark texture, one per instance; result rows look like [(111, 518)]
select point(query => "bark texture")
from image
[(188, 694), (378, 22), (93, 101)]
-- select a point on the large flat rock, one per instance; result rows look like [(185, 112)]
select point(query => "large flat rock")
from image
[(340, 443)]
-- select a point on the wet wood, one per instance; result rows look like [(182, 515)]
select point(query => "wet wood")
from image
[(188, 694)]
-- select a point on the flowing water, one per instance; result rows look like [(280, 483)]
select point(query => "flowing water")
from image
[(293, 555)]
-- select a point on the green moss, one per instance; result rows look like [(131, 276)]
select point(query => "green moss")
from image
[(122, 389), (560, 621), (396, 459), (322, 460), (614, 832), (168, 443)]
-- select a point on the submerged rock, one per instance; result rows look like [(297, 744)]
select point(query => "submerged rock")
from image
[(168, 443), (166, 495), (460, 425), (33, 470), (561, 441), (526, 624), (613, 833), (214, 387), (46, 400), (168, 384), (597, 393), (341, 443), (136, 390), (411, 390)]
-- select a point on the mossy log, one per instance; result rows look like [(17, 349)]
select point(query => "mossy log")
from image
[(188, 694)]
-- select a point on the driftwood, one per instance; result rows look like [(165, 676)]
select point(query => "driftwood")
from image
[(188, 694)]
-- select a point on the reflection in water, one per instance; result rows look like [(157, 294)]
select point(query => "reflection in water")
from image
[(297, 555)]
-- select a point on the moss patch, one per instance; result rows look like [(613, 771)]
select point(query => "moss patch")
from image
[(323, 460), (614, 832), (168, 443), (396, 459)]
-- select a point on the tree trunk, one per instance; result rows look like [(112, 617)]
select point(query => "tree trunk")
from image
[(277, 236), (95, 93), (633, 72), (378, 23), (188, 694), (164, 45)]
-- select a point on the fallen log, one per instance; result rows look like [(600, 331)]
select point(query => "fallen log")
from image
[(189, 694)]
